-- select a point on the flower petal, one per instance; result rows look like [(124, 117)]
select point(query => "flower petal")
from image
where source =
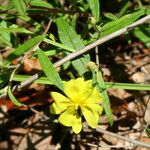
[(78, 88), (95, 97), (60, 104), (70, 119), (92, 113)]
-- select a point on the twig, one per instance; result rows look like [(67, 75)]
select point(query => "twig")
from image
[(26, 83), (56, 11), (97, 55), (88, 47), (31, 79), (137, 143), (47, 27), (108, 146), (35, 76), (101, 41)]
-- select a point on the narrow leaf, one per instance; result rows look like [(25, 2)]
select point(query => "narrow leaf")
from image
[(110, 16), (20, 6), (40, 3), (4, 76), (49, 70), (148, 132), (58, 45), (124, 6), (69, 38), (12, 98), (95, 8), (18, 29), (122, 22), (143, 34), (23, 48), (106, 101), (4, 36), (127, 86), (113, 85)]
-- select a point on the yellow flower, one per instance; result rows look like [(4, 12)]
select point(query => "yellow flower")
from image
[(81, 99)]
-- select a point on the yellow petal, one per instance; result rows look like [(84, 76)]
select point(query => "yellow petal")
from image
[(92, 113), (54, 109), (77, 128), (70, 119), (78, 88), (60, 104), (95, 97)]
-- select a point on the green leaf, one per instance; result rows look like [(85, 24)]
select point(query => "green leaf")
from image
[(124, 6), (20, 6), (4, 42), (4, 91), (95, 8), (147, 11), (122, 22), (12, 98), (143, 34), (41, 80), (2, 7), (4, 36), (110, 16), (70, 39), (49, 70), (40, 3), (106, 102), (68, 36), (4, 76), (18, 29), (23, 48), (148, 132), (58, 45), (126, 86)]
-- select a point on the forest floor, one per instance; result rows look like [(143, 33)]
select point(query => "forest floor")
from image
[(123, 62)]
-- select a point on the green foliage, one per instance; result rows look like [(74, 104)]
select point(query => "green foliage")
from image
[(143, 34), (49, 70), (40, 3), (4, 76), (126, 86), (123, 8), (69, 38), (148, 132), (124, 21), (95, 8), (101, 86), (4, 35), (110, 16), (23, 48), (12, 98), (15, 28), (23, 23), (20, 7)]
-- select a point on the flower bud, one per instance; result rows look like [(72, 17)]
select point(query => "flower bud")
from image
[(91, 65)]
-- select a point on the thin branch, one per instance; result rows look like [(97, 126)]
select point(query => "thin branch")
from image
[(88, 48), (101, 41), (26, 83), (35, 76), (56, 11), (109, 146), (32, 78), (135, 142), (47, 27), (97, 55)]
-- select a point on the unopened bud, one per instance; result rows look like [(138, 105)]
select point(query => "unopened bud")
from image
[(91, 65)]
